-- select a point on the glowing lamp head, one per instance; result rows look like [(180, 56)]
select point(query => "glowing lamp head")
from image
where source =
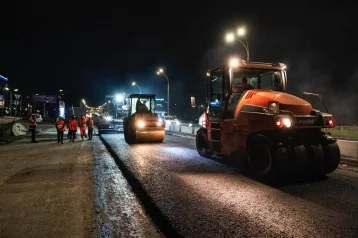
[(140, 124), (329, 122), (286, 122), (278, 123), (160, 122), (234, 62), (283, 122), (241, 31), (230, 37)]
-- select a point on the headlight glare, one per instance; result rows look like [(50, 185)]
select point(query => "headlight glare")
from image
[(283, 122), (286, 122), (140, 124)]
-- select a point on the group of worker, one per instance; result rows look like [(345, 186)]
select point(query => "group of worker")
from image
[(83, 123), (72, 125)]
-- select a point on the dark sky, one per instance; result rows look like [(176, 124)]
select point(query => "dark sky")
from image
[(93, 50)]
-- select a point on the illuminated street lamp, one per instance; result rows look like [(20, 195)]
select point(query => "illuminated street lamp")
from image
[(134, 84), (230, 37), (161, 72), (241, 32)]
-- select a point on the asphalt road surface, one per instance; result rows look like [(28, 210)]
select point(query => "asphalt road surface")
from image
[(187, 195), (46, 189), (66, 190)]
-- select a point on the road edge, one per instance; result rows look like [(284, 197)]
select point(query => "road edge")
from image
[(161, 221)]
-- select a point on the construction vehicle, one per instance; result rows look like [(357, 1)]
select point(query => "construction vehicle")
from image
[(142, 123), (263, 126), (108, 123)]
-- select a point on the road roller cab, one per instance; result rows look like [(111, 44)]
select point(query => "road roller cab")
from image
[(250, 117), (142, 123)]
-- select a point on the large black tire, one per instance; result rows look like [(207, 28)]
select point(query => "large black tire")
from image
[(332, 157), (202, 144), (315, 157), (128, 135), (262, 158), (299, 161)]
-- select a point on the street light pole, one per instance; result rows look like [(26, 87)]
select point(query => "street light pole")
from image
[(230, 37), (161, 71), (135, 84), (140, 91)]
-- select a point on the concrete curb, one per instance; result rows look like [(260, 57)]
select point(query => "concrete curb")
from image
[(349, 161)]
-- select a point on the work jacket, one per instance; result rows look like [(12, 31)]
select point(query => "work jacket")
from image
[(72, 125), (60, 125), (32, 124)]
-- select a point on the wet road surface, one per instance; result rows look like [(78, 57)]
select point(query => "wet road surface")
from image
[(201, 197)]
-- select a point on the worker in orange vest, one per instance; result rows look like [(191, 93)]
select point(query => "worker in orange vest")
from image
[(82, 126), (90, 124), (60, 126), (72, 126), (33, 127)]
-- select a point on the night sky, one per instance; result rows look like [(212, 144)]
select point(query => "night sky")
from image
[(95, 50)]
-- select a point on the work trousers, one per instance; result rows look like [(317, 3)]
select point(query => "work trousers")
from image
[(59, 136), (72, 134), (33, 134), (83, 131), (90, 133)]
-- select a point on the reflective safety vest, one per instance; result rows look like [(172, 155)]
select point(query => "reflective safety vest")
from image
[(60, 125), (90, 123), (32, 123), (72, 125), (82, 123)]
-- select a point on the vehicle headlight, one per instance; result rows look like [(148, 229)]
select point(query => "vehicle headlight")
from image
[(108, 118), (286, 122), (140, 124), (177, 122), (160, 122), (283, 122), (274, 107)]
